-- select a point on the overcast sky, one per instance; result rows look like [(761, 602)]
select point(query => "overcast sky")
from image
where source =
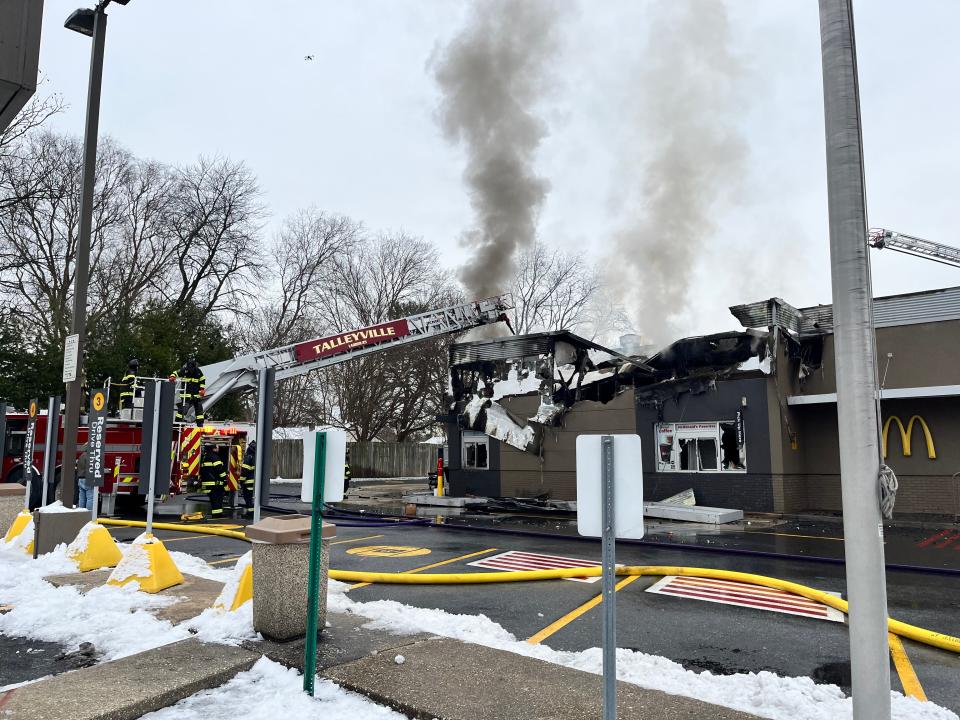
[(354, 130)]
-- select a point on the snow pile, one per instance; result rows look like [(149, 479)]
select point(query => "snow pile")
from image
[(228, 628), (58, 507), (764, 693), (192, 565), (114, 619), (136, 561), (268, 690), (20, 542)]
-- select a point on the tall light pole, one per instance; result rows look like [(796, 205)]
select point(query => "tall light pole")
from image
[(856, 372), (92, 23)]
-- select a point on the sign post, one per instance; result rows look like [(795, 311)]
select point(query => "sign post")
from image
[(322, 482), (50, 447), (158, 408), (614, 463), (29, 440), (96, 442)]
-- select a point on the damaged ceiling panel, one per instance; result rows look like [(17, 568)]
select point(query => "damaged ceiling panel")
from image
[(768, 313)]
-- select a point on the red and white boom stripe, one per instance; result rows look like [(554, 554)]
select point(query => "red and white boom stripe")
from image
[(743, 595), (515, 561)]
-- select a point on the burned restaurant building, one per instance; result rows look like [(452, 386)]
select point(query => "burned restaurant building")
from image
[(746, 419)]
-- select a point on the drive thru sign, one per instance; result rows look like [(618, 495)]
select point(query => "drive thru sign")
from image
[(609, 504)]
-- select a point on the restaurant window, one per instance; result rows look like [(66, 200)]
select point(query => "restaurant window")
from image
[(701, 446), (475, 452)]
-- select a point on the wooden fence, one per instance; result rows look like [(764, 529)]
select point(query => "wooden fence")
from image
[(367, 459)]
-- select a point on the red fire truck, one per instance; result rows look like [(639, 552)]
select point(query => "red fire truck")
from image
[(234, 375)]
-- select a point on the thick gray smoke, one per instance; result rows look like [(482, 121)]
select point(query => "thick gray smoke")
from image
[(690, 84), (492, 75)]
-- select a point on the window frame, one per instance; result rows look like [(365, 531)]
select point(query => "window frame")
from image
[(476, 439), (670, 434)]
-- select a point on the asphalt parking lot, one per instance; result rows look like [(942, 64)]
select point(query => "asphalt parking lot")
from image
[(700, 634)]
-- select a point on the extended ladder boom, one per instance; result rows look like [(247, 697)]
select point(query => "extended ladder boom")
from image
[(880, 239), (240, 373)]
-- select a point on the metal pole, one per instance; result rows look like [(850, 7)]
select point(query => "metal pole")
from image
[(50, 443), (265, 380), (856, 374), (153, 454), (609, 580), (78, 322), (96, 499), (313, 581)]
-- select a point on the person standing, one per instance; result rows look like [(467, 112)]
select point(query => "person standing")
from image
[(84, 485), (213, 479), (128, 385), (193, 386), (248, 476)]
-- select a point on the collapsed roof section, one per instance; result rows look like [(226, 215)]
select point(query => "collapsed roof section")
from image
[(557, 366)]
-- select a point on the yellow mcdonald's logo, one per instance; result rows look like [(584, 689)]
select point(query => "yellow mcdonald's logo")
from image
[(906, 434)]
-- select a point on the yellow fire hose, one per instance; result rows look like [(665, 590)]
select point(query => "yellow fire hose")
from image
[(197, 529), (927, 637)]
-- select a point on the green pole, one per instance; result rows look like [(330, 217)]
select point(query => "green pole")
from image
[(313, 584)]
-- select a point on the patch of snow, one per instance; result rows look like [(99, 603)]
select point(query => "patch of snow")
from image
[(192, 565), (399, 659), (269, 690), (80, 542), (220, 626), (14, 686), (135, 562), (764, 693), (58, 507), (114, 619)]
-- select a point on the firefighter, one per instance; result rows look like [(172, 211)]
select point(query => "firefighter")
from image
[(248, 476), (128, 385), (213, 480), (193, 386), (346, 471)]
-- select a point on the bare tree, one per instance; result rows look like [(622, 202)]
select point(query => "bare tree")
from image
[(552, 290), (19, 179), (215, 220)]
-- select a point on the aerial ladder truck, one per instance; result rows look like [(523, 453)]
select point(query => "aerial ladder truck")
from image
[(241, 374), (882, 239)]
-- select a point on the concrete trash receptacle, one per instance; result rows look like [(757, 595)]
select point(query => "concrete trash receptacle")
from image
[(281, 568), (11, 503)]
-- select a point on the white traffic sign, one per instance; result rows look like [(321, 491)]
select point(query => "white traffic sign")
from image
[(628, 486), (333, 467), (70, 347)]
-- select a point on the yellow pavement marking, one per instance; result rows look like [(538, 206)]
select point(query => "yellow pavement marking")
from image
[(431, 566), (224, 561), (809, 537), (352, 540), (908, 678), (388, 551), (575, 613)]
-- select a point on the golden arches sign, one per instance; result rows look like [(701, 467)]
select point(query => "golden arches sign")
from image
[(906, 434)]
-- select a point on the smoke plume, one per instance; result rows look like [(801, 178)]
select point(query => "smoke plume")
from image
[(492, 75), (689, 83)]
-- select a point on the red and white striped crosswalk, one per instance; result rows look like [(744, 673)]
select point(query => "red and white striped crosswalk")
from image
[(515, 561), (743, 595)]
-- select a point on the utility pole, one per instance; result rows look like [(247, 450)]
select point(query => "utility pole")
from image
[(78, 321), (856, 370)]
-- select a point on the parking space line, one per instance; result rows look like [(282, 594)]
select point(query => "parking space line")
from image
[(353, 540), (224, 561), (432, 565), (575, 613), (782, 534), (908, 677)]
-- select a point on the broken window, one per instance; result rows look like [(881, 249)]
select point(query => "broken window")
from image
[(701, 447), (475, 451)]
